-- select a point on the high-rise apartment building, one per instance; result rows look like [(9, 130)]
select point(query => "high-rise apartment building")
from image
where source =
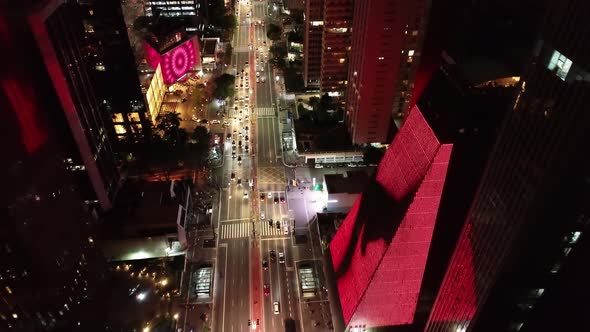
[(336, 46), (526, 231), (56, 162), (54, 31), (111, 66), (312, 42), (386, 43)]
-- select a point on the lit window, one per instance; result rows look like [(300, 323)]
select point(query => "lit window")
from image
[(133, 117), (536, 293), (118, 117), (415, 33), (91, 12), (341, 60), (100, 67), (411, 53), (561, 63), (574, 237), (355, 73), (120, 129), (381, 58)]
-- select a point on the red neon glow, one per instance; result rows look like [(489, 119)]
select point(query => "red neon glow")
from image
[(176, 62), (22, 100), (456, 300), (380, 263)]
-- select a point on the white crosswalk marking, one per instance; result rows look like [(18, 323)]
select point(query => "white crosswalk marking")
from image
[(265, 111), (235, 231), (268, 230)]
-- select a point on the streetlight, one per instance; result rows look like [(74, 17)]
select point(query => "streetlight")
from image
[(175, 316), (277, 78)]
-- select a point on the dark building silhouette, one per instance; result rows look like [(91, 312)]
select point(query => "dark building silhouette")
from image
[(58, 171), (111, 66), (312, 42), (337, 34), (525, 233)]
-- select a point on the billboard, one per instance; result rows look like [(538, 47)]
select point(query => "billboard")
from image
[(176, 62), (380, 251)]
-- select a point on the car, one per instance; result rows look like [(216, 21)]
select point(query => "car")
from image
[(245, 194), (266, 290), (240, 143), (233, 148), (239, 182), (233, 142), (225, 124), (286, 230), (276, 200), (273, 255), (278, 224), (236, 98), (263, 79), (265, 264), (269, 195), (233, 176), (257, 80), (282, 199), (246, 63), (227, 137), (352, 165), (262, 215), (246, 138), (239, 160), (246, 128), (233, 155), (319, 166), (281, 258), (262, 197), (276, 307), (241, 85)]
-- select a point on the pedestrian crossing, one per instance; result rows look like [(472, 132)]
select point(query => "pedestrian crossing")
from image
[(268, 230), (265, 111), (235, 231)]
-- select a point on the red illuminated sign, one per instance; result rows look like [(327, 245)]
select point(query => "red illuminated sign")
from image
[(379, 253), (176, 62)]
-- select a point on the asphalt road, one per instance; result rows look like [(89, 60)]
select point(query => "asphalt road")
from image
[(244, 240)]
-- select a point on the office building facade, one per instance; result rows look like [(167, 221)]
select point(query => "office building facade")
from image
[(312, 42), (526, 230), (56, 30), (386, 41), (112, 68), (336, 46), (50, 267)]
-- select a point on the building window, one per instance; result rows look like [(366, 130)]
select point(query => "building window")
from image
[(134, 117), (537, 293), (573, 237), (118, 117), (561, 63), (411, 53), (120, 129)]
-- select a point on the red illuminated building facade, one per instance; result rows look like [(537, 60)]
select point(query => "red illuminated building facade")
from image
[(336, 46), (312, 42), (386, 44), (379, 253), (520, 263)]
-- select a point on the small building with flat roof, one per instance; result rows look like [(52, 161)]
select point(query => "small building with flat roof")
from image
[(343, 189)]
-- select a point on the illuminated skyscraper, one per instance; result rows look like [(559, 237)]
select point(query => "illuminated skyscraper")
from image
[(312, 42), (525, 234), (387, 39)]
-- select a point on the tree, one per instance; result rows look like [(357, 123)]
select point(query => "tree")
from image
[(201, 136), (224, 86), (229, 50), (373, 155), (273, 31), (278, 53)]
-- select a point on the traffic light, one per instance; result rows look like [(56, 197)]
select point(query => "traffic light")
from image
[(249, 322)]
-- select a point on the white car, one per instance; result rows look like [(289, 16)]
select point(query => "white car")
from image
[(276, 308), (269, 195), (319, 166), (245, 194), (286, 230), (281, 258), (261, 215)]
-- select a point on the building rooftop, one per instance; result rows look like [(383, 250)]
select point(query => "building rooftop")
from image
[(352, 182), (209, 46), (144, 209)]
